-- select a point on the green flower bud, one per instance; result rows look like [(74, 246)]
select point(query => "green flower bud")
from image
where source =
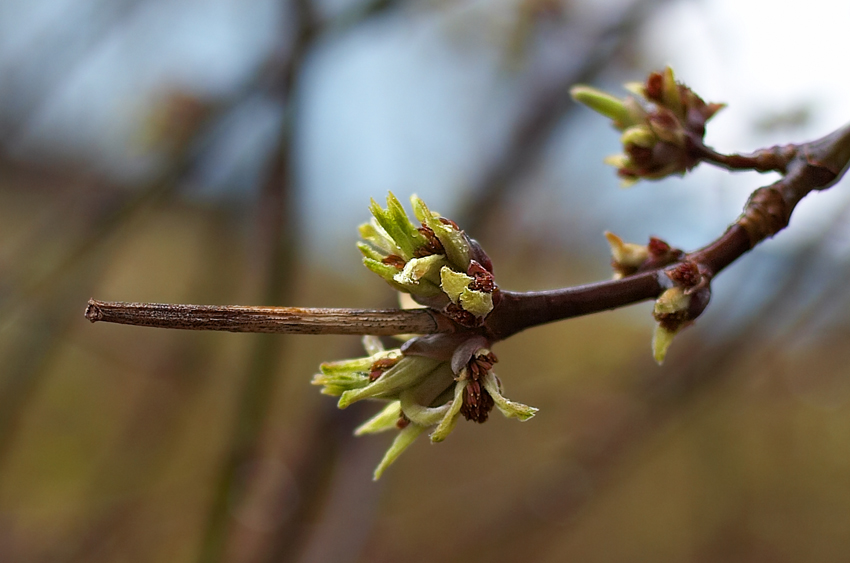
[(347, 375), (671, 311), (409, 371), (627, 257), (603, 103)]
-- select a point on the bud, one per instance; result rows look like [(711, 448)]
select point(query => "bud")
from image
[(660, 126), (630, 258), (676, 308), (627, 257), (671, 313), (422, 392)]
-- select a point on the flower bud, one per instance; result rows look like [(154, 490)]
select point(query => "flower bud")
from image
[(660, 125), (421, 391), (676, 308), (671, 313)]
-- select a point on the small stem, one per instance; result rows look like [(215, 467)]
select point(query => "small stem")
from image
[(773, 159), (281, 320), (722, 252), (520, 310)]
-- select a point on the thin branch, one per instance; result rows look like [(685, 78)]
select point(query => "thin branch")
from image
[(773, 159), (816, 165), (813, 166), (279, 320)]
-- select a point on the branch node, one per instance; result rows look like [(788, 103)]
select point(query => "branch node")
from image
[(766, 214)]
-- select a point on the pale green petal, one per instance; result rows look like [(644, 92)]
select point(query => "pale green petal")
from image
[(423, 288), (673, 300), (426, 268), (447, 424), (419, 414), (346, 375), (453, 283), (370, 251), (627, 254), (479, 303), (337, 384), (409, 371), (420, 210), (670, 93), (373, 233), (603, 103), (363, 365), (454, 242), (386, 271), (406, 230), (401, 442), (510, 409), (636, 88), (434, 389), (381, 422), (639, 135), (661, 341), (617, 161), (397, 226)]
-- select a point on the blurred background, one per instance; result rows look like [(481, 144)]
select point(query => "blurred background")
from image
[(224, 151)]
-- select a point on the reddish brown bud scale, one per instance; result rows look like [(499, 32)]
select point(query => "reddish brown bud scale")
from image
[(482, 279), (462, 317), (432, 246), (380, 366), (654, 86), (672, 321), (658, 247), (402, 422), (394, 261), (445, 221), (686, 274), (640, 156)]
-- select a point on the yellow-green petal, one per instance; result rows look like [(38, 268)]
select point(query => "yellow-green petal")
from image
[(401, 443), (479, 303), (449, 421), (603, 103), (453, 283), (385, 420), (409, 371), (511, 409), (661, 341)]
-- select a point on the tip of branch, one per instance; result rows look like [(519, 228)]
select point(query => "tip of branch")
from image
[(93, 312)]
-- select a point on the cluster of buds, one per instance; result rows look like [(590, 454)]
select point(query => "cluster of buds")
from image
[(661, 127), (678, 306), (422, 391), (432, 380), (436, 263)]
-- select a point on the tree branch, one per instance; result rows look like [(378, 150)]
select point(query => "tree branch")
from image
[(280, 320), (808, 167)]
